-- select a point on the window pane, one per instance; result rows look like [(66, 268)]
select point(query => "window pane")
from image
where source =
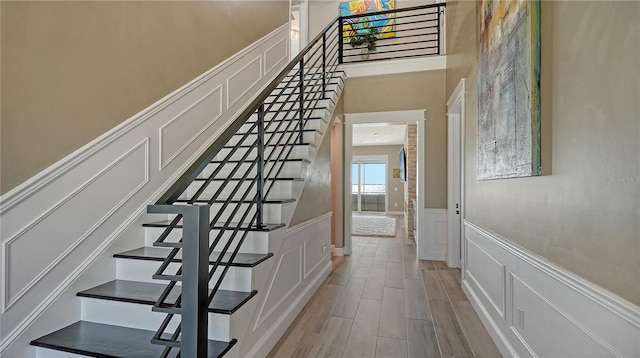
[(373, 178)]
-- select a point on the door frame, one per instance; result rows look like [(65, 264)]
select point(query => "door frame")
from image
[(386, 117), (455, 183)]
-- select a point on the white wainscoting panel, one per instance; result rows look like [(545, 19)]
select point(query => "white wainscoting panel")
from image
[(487, 275), (250, 73), (285, 295), (26, 261), (184, 128), (55, 225), (547, 311), (275, 55), (432, 243)]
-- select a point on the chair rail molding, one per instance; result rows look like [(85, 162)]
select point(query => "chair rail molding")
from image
[(532, 307)]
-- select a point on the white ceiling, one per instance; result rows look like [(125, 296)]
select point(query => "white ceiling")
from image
[(378, 134)]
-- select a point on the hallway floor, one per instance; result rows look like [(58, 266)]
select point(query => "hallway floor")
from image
[(383, 302)]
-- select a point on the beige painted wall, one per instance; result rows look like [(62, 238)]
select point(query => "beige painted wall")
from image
[(395, 191), (410, 91), (315, 199), (72, 70), (584, 213)]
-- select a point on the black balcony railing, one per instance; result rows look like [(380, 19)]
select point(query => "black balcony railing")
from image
[(402, 33)]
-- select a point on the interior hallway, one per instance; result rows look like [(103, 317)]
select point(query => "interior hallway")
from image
[(383, 302)]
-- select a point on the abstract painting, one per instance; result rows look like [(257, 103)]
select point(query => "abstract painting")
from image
[(384, 23), (509, 89)]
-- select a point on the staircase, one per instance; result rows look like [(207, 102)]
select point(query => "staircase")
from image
[(120, 318)]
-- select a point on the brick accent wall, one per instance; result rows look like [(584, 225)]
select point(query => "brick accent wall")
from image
[(410, 148)]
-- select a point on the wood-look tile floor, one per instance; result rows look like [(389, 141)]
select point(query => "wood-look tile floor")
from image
[(383, 302)]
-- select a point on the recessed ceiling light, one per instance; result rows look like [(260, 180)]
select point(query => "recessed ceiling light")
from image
[(375, 134)]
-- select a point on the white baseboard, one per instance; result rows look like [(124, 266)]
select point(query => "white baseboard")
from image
[(86, 200), (532, 307), (337, 251), (432, 236)]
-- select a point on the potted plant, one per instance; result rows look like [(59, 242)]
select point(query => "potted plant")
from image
[(364, 35)]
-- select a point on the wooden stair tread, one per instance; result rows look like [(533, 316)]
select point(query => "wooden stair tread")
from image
[(109, 341), (224, 301), (159, 254)]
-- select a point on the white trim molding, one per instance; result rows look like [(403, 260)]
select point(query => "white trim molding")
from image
[(432, 243), (395, 66), (532, 307), (60, 222)]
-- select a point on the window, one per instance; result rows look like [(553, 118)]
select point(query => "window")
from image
[(369, 185)]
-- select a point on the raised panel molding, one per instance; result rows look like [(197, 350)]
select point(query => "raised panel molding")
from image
[(275, 55), (549, 310), (96, 193), (287, 277), (280, 304), (432, 243), (239, 83), (126, 175), (177, 134), (488, 275)]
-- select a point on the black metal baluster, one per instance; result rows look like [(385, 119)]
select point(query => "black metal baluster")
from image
[(438, 27), (301, 99), (340, 40), (260, 169), (324, 65)]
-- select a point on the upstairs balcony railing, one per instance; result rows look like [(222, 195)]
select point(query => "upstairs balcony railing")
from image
[(225, 190), (402, 33)]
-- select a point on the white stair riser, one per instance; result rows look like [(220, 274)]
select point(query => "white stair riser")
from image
[(236, 279), (291, 134), (255, 242), (272, 213), (278, 189), (294, 104), (141, 316), (308, 88), (52, 353), (293, 115), (297, 152), (287, 169), (313, 123)]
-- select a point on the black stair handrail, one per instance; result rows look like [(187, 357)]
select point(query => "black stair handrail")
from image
[(171, 195), (271, 137), (274, 124)]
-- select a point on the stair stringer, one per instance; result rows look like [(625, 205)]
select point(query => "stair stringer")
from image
[(269, 321)]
